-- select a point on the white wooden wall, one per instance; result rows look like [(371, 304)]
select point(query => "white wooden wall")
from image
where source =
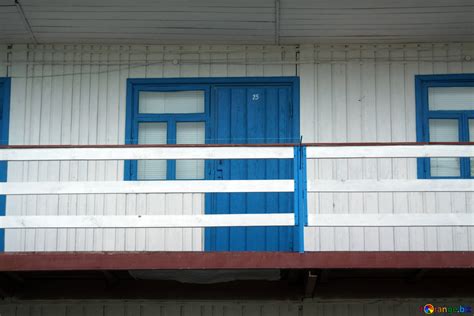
[(402, 307), (65, 94), (76, 95), (367, 94)]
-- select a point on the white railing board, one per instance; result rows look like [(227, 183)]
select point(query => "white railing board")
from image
[(148, 221), (451, 185), (395, 151), (391, 220), (145, 153), (277, 152), (135, 187)]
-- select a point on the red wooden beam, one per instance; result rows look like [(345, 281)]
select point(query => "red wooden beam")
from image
[(73, 261)]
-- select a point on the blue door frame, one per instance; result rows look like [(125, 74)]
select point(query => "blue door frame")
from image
[(4, 127), (134, 86)]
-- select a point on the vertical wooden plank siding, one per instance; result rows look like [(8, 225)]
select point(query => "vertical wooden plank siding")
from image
[(369, 95), (75, 94)]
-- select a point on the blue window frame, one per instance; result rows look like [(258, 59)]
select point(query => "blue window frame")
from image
[(464, 118), (134, 117), (4, 126)]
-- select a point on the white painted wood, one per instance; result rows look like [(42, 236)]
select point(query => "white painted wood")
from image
[(399, 133), (340, 166), (369, 134), (17, 170), (325, 131), (391, 220), (399, 151), (390, 186), (307, 127), (53, 167), (120, 239), (431, 234), (443, 200), (349, 116), (135, 187), (146, 153), (65, 239), (148, 221), (384, 134), (415, 235), (355, 134), (389, 109)]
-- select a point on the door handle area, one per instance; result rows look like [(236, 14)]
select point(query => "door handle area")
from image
[(219, 173), (219, 170)]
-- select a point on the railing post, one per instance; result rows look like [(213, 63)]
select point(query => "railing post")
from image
[(296, 199), (304, 192), (300, 194)]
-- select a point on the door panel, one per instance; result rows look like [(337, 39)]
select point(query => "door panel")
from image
[(251, 114)]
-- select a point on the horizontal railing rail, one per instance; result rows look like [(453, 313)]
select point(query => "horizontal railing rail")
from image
[(135, 187), (300, 186), (391, 220), (235, 151), (130, 152), (395, 185), (390, 150), (150, 221), (148, 152)]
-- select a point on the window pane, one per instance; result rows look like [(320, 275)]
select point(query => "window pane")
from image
[(444, 131), (190, 133), (471, 138), (151, 133), (171, 102), (451, 98)]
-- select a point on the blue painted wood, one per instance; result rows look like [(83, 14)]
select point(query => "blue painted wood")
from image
[(134, 118), (271, 131), (297, 197), (252, 114), (423, 114), (256, 168), (300, 196), (221, 235), (238, 201), (4, 128), (286, 113), (233, 115)]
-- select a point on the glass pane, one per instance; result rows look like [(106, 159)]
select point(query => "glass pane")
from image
[(171, 102), (471, 138), (444, 131), (190, 133), (151, 133), (451, 98)]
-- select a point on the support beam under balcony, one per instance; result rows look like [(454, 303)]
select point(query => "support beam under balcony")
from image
[(76, 261)]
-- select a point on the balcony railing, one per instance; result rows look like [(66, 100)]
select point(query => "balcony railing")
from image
[(300, 185)]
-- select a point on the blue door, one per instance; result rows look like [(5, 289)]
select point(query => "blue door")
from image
[(254, 114), (4, 115)]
